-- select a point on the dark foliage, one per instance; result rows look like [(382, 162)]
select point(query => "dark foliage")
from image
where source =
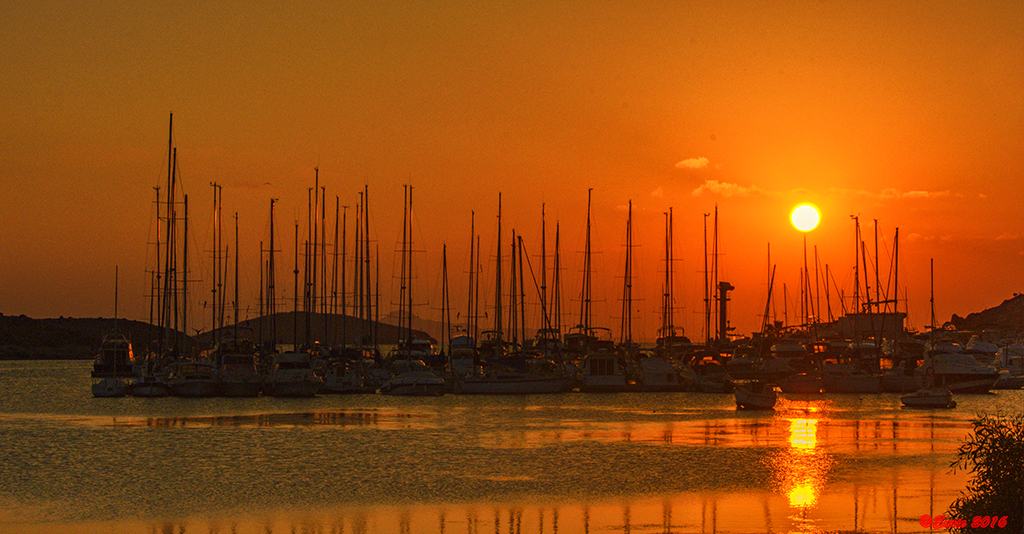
[(994, 453)]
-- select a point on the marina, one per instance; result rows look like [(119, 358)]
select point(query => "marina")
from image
[(513, 267)]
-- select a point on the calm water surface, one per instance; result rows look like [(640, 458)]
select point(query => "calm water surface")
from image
[(658, 463)]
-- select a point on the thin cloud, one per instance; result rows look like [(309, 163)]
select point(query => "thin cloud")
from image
[(658, 193), (694, 163), (892, 193), (714, 187), (1007, 237)]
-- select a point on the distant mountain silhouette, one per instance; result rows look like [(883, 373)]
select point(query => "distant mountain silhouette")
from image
[(1007, 317), (66, 338), (331, 329)]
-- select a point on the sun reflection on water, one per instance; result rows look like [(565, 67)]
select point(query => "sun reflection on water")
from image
[(801, 470)]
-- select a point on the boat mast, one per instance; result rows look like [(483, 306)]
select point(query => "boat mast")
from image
[(478, 270), (357, 272), (295, 295), (216, 269), (626, 329), (344, 294), (512, 294), (334, 270), (184, 273), (667, 311), (856, 264), (522, 301), (472, 268), (556, 282), (545, 319), (403, 276), (154, 296), (497, 284), (707, 290), (271, 282), (409, 260), (445, 319), (585, 295), (366, 270), (236, 277)]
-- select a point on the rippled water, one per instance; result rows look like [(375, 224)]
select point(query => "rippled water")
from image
[(667, 462)]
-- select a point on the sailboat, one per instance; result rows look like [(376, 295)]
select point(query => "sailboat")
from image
[(291, 374), (671, 343), (114, 365), (506, 368), (411, 375), (603, 368), (235, 354)]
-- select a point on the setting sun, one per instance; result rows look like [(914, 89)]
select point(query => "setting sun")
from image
[(804, 217)]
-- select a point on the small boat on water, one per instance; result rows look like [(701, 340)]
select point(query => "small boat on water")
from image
[(755, 395), (113, 367), (929, 398)]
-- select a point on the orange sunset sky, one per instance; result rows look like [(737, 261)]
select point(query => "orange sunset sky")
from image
[(908, 113)]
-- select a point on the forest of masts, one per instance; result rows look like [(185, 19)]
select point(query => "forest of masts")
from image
[(335, 268)]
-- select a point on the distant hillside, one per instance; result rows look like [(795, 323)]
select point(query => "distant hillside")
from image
[(66, 338), (24, 338), (1007, 317), (332, 329)]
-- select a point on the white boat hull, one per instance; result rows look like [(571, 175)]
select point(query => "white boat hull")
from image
[(929, 398)]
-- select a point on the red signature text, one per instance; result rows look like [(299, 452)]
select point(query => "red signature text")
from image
[(979, 521)]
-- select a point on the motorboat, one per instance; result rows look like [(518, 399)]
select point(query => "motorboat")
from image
[(113, 367), (237, 370), (787, 358), (957, 371), (292, 376), (710, 376), (603, 373), (1010, 363), (929, 398), (755, 395), (413, 378), (657, 374), (196, 378)]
